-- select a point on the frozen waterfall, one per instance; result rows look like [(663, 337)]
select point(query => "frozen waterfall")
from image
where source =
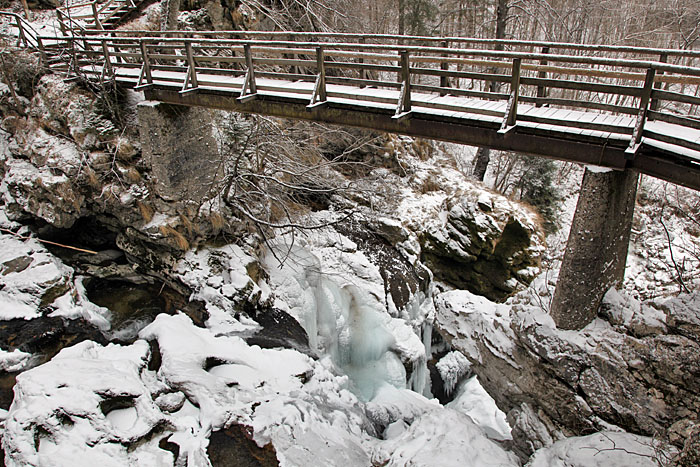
[(346, 317)]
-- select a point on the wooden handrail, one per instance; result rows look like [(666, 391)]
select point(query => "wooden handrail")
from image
[(26, 32), (428, 39), (436, 52), (619, 82)]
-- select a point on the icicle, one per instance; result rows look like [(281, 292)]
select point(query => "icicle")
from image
[(428, 339)]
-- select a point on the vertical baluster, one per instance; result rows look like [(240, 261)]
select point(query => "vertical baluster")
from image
[(191, 65), (635, 141), (249, 88), (542, 90), (361, 61), (445, 66), (403, 108), (319, 95), (511, 113), (96, 16), (657, 85)]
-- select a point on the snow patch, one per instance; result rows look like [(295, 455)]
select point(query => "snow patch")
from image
[(605, 449)]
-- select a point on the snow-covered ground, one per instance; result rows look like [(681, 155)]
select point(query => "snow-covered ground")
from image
[(90, 403)]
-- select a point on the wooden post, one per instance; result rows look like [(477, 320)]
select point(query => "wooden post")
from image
[(636, 139), (21, 36), (96, 16), (74, 57), (108, 60), (249, 88), (510, 117), (542, 90), (191, 64), (444, 80), (251, 73), (61, 24), (292, 69), (319, 96), (363, 72), (655, 101), (43, 60), (145, 68), (404, 106)]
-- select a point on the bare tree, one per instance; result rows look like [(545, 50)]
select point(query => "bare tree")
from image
[(483, 155), (277, 171)]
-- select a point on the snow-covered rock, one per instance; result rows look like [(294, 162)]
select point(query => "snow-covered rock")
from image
[(474, 401), (113, 405), (427, 443), (604, 449), (555, 383), (219, 278), (485, 243), (31, 278)]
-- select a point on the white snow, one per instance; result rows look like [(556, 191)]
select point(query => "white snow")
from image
[(28, 270), (474, 401), (76, 305), (462, 313), (452, 367), (605, 449), (427, 442), (14, 361), (219, 278), (598, 169)]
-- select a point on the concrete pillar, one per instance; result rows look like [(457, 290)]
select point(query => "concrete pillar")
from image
[(178, 145), (596, 251)]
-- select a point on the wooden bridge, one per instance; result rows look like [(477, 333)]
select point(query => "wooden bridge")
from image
[(616, 107)]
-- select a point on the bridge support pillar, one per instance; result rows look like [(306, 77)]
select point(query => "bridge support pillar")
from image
[(596, 251), (178, 144)]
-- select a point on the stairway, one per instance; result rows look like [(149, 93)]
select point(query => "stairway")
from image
[(96, 14)]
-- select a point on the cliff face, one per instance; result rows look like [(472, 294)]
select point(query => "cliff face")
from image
[(291, 361)]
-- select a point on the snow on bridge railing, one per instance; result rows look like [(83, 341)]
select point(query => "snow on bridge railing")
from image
[(26, 35), (625, 83)]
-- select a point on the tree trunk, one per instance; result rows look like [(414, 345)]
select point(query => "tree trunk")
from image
[(170, 14), (501, 18), (481, 163), (483, 156), (26, 10)]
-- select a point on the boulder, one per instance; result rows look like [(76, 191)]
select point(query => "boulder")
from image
[(554, 383), (486, 244)]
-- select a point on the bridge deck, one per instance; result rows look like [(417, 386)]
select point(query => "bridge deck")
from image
[(616, 107), (582, 136)]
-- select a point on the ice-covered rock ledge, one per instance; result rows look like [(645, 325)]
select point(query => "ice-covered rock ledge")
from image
[(637, 370), (167, 398)]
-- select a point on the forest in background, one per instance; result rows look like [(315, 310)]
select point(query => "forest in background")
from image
[(669, 24)]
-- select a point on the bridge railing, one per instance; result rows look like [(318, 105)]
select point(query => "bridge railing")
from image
[(94, 15), (26, 35), (620, 81)]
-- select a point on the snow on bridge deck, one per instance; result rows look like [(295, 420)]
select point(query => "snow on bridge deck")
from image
[(619, 113), (588, 127)]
